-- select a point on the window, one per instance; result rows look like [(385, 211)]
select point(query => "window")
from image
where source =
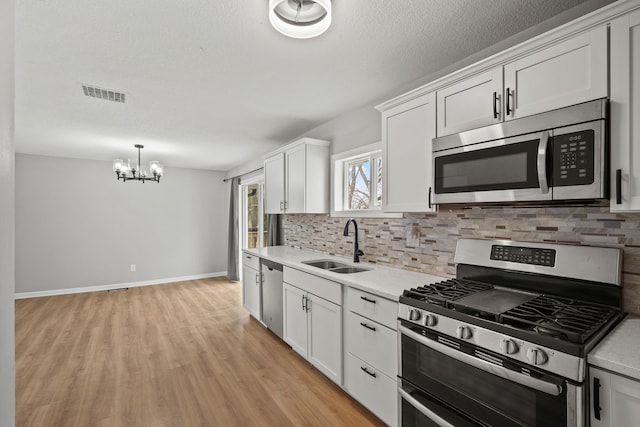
[(357, 182), (363, 182)]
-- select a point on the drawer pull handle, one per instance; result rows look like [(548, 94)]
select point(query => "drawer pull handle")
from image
[(371, 328), (373, 374), (372, 301)]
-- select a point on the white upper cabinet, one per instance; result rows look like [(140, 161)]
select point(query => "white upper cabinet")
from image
[(274, 184), (407, 131), (297, 178), (625, 113), (472, 103), (566, 73)]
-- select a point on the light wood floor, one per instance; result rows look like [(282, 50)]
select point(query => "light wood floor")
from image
[(183, 354)]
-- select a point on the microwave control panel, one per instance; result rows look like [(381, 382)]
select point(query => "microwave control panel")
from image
[(573, 155), (535, 256)]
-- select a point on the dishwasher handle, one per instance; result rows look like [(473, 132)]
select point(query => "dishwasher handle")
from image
[(271, 265)]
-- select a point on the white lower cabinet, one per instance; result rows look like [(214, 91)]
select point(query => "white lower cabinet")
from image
[(251, 285), (615, 400), (312, 325), (372, 359), (373, 389)]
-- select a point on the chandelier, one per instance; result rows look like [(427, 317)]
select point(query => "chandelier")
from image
[(131, 170), (300, 19)]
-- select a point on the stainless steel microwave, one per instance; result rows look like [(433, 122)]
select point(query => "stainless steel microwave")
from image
[(556, 155)]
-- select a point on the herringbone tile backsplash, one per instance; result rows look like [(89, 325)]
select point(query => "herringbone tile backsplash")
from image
[(426, 242)]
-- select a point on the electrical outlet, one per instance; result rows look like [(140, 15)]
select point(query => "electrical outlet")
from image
[(133, 267)]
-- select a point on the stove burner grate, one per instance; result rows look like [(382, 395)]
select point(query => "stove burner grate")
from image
[(564, 318), (449, 290)]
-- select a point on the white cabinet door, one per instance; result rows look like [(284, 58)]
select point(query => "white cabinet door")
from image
[(618, 399), (373, 389), (325, 337), (564, 74), (295, 166), (625, 113), (274, 184), (294, 318), (251, 291), (407, 131), (472, 103)]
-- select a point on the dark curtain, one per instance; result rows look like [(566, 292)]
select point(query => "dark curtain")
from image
[(275, 234), (233, 265)]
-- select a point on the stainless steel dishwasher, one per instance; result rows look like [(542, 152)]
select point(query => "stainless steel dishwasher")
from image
[(272, 295)]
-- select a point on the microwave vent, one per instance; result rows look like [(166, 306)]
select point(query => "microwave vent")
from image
[(102, 93)]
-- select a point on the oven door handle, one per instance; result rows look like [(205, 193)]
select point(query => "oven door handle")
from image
[(542, 162), (424, 410), (540, 385)]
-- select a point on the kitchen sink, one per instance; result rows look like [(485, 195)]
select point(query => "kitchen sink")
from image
[(348, 270), (324, 264), (336, 267)]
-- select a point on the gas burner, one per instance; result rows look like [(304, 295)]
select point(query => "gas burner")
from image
[(449, 290), (567, 319)]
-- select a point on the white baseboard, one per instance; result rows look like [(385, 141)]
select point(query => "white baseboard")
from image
[(37, 294)]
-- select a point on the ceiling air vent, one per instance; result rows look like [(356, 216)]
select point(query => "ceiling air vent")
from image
[(106, 94)]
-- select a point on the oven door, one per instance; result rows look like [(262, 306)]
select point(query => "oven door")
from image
[(445, 381), (505, 170)]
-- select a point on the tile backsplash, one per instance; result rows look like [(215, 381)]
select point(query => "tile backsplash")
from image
[(426, 242)]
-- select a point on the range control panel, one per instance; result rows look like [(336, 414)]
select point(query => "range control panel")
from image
[(522, 255)]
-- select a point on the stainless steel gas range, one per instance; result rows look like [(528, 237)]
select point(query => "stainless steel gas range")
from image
[(505, 342)]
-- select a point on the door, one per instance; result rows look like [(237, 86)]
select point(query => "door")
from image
[(565, 74), (295, 318), (407, 131), (472, 103), (295, 166), (325, 337), (254, 222), (510, 169), (625, 113), (274, 184), (251, 291)]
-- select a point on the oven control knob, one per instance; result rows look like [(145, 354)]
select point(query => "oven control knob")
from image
[(430, 320), (464, 332), (535, 356), (415, 314), (508, 346)]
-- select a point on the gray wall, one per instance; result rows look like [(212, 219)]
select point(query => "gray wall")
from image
[(77, 226), (7, 206)]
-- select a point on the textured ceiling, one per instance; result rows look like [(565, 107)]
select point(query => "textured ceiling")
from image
[(210, 84)]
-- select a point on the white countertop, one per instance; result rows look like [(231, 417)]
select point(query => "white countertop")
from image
[(619, 351), (383, 281)]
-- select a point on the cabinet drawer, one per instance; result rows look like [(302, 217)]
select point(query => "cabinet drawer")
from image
[(373, 307), (378, 393), (373, 343), (251, 261), (331, 291)]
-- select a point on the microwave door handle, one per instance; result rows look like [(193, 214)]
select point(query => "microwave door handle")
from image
[(423, 409), (542, 162), (525, 380)]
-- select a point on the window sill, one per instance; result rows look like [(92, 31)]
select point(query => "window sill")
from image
[(365, 214)]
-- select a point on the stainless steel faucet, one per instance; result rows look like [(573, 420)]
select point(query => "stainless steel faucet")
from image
[(357, 253)]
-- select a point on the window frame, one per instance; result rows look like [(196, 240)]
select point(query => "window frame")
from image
[(339, 178)]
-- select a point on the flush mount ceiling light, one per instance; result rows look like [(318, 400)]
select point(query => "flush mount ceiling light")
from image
[(300, 19), (131, 170)]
